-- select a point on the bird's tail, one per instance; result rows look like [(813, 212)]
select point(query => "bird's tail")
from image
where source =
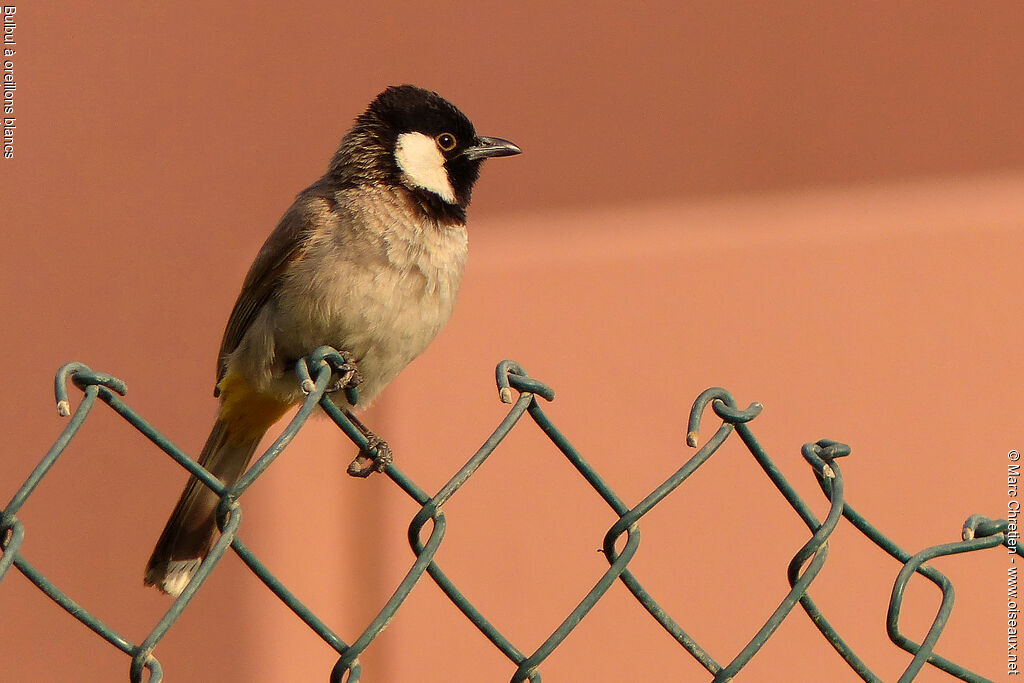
[(190, 532)]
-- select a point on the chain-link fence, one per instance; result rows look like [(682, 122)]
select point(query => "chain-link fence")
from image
[(315, 375)]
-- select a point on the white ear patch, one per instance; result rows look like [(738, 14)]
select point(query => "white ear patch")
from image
[(422, 165)]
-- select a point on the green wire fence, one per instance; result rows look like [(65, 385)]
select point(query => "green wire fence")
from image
[(315, 375)]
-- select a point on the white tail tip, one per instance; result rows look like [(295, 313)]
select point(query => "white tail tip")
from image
[(179, 573)]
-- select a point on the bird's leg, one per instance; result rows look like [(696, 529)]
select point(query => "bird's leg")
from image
[(375, 457)]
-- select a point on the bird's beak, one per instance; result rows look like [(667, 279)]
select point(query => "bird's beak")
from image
[(490, 147)]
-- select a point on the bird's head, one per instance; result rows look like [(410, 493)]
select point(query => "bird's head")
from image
[(415, 138)]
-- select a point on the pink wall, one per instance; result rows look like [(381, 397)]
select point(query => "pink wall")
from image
[(820, 209)]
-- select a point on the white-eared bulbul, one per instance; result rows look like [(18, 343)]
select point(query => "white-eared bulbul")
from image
[(367, 260)]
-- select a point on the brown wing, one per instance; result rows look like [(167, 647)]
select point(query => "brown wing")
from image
[(264, 276)]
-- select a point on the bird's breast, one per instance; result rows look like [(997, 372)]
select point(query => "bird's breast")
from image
[(377, 282)]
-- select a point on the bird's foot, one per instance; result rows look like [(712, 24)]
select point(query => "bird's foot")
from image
[(375, 457), (346, 374)]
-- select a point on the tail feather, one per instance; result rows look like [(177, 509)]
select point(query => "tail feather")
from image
[(192, 527)]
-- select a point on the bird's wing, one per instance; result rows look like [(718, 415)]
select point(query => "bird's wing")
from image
[(282, 247)]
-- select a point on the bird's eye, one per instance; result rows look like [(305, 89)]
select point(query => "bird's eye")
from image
[(445, 141)]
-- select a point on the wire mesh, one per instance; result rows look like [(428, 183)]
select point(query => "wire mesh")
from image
[(314, 374)]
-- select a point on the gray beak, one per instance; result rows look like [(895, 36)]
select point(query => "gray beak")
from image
[(490, 147)]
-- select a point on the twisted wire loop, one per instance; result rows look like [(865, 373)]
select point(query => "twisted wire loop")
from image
[(326, 368)]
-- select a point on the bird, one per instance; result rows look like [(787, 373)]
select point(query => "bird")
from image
[(367, 260)]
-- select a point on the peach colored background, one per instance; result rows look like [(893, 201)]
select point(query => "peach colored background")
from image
[(818, 206)]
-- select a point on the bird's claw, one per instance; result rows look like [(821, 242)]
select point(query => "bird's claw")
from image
[(375, 457), (346, 374)]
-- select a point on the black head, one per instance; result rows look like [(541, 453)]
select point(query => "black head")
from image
[(415, 138)]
